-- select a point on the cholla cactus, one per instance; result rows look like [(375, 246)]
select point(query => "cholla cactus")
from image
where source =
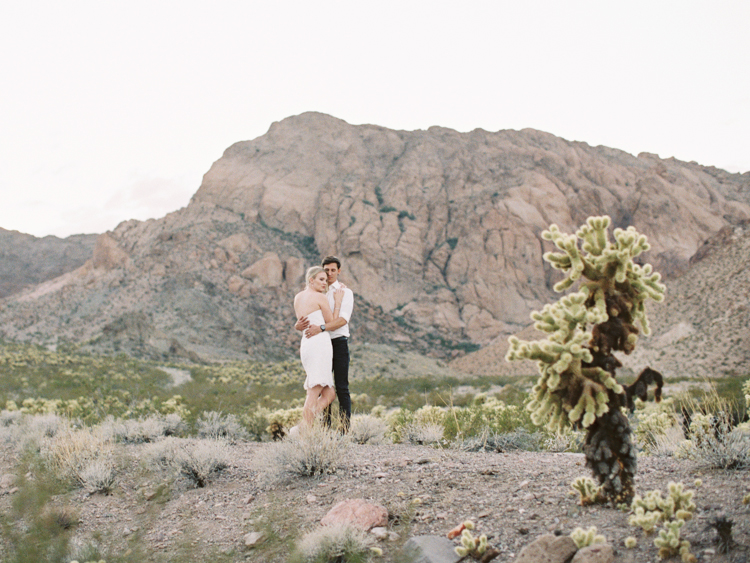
[(669, 542), (577, 385), (584, 538), (673, 511), (590, 492), (476, 548), (653, 509)]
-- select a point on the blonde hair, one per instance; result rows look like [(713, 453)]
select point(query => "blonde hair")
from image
[(311, 273)]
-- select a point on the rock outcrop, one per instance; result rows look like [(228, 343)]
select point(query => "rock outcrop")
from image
[(438, 232), (26, 260)]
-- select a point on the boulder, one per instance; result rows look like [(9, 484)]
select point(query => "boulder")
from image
[(548, 549), (357, 513), (598, 553), (266, 272), (237, 243)]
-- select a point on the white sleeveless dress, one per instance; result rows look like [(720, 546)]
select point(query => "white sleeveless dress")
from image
[(316, 354)]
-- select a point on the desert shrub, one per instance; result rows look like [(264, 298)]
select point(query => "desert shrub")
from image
[(518, 440), (98, 476), (397, 422), (367, 429), (80, 457), (716, 443), (424, 433), (257, 421), (567, 440), (485, 414), (45, 425), (143, 430), (285, 418), (201, 460), (667, 443), (334, 544), (653, 420), (85, 552), (10, 418), (161, 455), (314, 451), (215, 426)]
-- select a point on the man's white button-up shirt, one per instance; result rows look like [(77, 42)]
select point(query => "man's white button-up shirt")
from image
[(347, 306)]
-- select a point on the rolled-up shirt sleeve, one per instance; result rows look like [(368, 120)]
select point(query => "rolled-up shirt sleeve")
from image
[(347, 305)]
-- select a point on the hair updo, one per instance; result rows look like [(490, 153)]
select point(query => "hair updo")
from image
[(311, 273)]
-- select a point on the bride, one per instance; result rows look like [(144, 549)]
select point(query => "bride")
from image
[(316, 352)]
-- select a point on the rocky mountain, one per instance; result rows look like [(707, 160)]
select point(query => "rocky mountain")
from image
[(26, 260), (438, 232)]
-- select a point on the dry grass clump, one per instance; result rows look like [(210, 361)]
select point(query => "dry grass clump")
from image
[(161, 455), (714, 439), (10, 418), (334, 544), (565, 441), (666, 443), (367, 429), (215, 426), (717, 444), (80, 457), (143, 430), (312, 452), (201, 460), (424, 433), (197, 460)]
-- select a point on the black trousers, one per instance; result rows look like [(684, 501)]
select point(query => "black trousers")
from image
[(341, 379)]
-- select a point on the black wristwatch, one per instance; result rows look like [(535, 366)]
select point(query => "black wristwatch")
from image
[(323, 328)]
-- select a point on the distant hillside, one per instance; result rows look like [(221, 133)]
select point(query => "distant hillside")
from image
[(438, 232), (26, 260)]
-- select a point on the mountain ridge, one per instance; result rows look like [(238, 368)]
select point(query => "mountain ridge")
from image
[(438, 232)]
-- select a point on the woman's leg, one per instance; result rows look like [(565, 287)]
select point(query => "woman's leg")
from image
[(318, 398)]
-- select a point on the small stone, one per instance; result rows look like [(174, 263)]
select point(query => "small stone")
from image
[(523, 531), (248, 499), (13, 491), (393, 536), (149, 494), (380, 532), (523, 484), (252, 539), (441, 516), (484, 514), (311, 499), (709, 551), (381, 475)]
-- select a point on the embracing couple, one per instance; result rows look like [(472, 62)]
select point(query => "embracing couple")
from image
[(323, 310)]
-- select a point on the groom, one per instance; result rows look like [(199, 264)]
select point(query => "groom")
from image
[(339, 329)]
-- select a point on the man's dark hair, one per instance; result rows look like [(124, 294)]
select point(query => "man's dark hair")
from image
[(332, 260)]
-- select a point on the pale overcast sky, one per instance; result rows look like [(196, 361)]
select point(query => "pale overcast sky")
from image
[(111, 110)]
